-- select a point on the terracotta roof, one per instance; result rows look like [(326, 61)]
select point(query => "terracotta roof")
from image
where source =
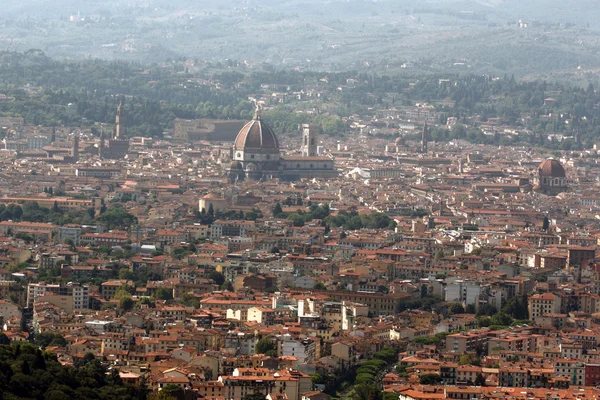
[(256, 134), (551, 168)]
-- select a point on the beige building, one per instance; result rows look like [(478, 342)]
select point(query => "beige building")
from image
[(32, 228), (289, 382), (460, 343), (74, 293), (217, 202), (542, 304), (262, 315)]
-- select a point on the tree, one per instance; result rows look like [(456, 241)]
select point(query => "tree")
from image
[(546, 223), (142, 390), (190, 300), (126, 304), (163, 293), (88, 357), (126, 274), (265, 346), (316, 379), (467, 359), (365, 378), (486, 309), (319, 286), (430, 379), (122, 293), (217, 277), (254, 396), (479, 380), (50, 339), (501, 319), (457, 308), (366, 392), (117, 218), (169, 392), (390, 396), (277, 210), (517, 308), (179, 253)]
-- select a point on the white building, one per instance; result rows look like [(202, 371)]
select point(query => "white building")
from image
[(303, 349), (78, 293), (463, 292)]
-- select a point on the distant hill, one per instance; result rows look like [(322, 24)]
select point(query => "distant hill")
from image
[(519, 37)]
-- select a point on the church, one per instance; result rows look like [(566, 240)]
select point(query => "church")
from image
[(256, 155), (118, 145)]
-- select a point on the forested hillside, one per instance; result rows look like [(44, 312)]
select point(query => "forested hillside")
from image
[(49, 92), (26, 372)]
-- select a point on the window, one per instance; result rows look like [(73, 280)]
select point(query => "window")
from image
[(268, 156), (311, 165), (239, 154), (252, 156)]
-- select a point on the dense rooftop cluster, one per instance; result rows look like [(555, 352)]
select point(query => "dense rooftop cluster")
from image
[(401, 269)]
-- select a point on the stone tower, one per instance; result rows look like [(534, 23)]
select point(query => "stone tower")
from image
[(101, 148), (75, 148), (424, 138), (120, 122), (309, 140)]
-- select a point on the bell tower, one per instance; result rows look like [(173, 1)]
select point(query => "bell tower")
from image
[(424, 138), (101, 147), (120, 122), (309, 140)]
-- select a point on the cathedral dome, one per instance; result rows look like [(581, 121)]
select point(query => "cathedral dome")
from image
[(552, 169), (256, 134)]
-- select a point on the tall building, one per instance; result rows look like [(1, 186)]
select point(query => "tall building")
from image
[(424, 138), (101, 147), (118, 145), (75, 148), (120, 122), (256, 155), (309, 140)]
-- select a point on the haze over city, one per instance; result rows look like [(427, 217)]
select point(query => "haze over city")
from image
[(299, 200)]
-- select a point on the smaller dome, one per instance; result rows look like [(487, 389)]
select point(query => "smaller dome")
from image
[(538, 189), (551, 168), (211, 196)]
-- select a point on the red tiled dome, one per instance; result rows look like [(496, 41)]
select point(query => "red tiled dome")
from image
[(256, 135), (552, 168)]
